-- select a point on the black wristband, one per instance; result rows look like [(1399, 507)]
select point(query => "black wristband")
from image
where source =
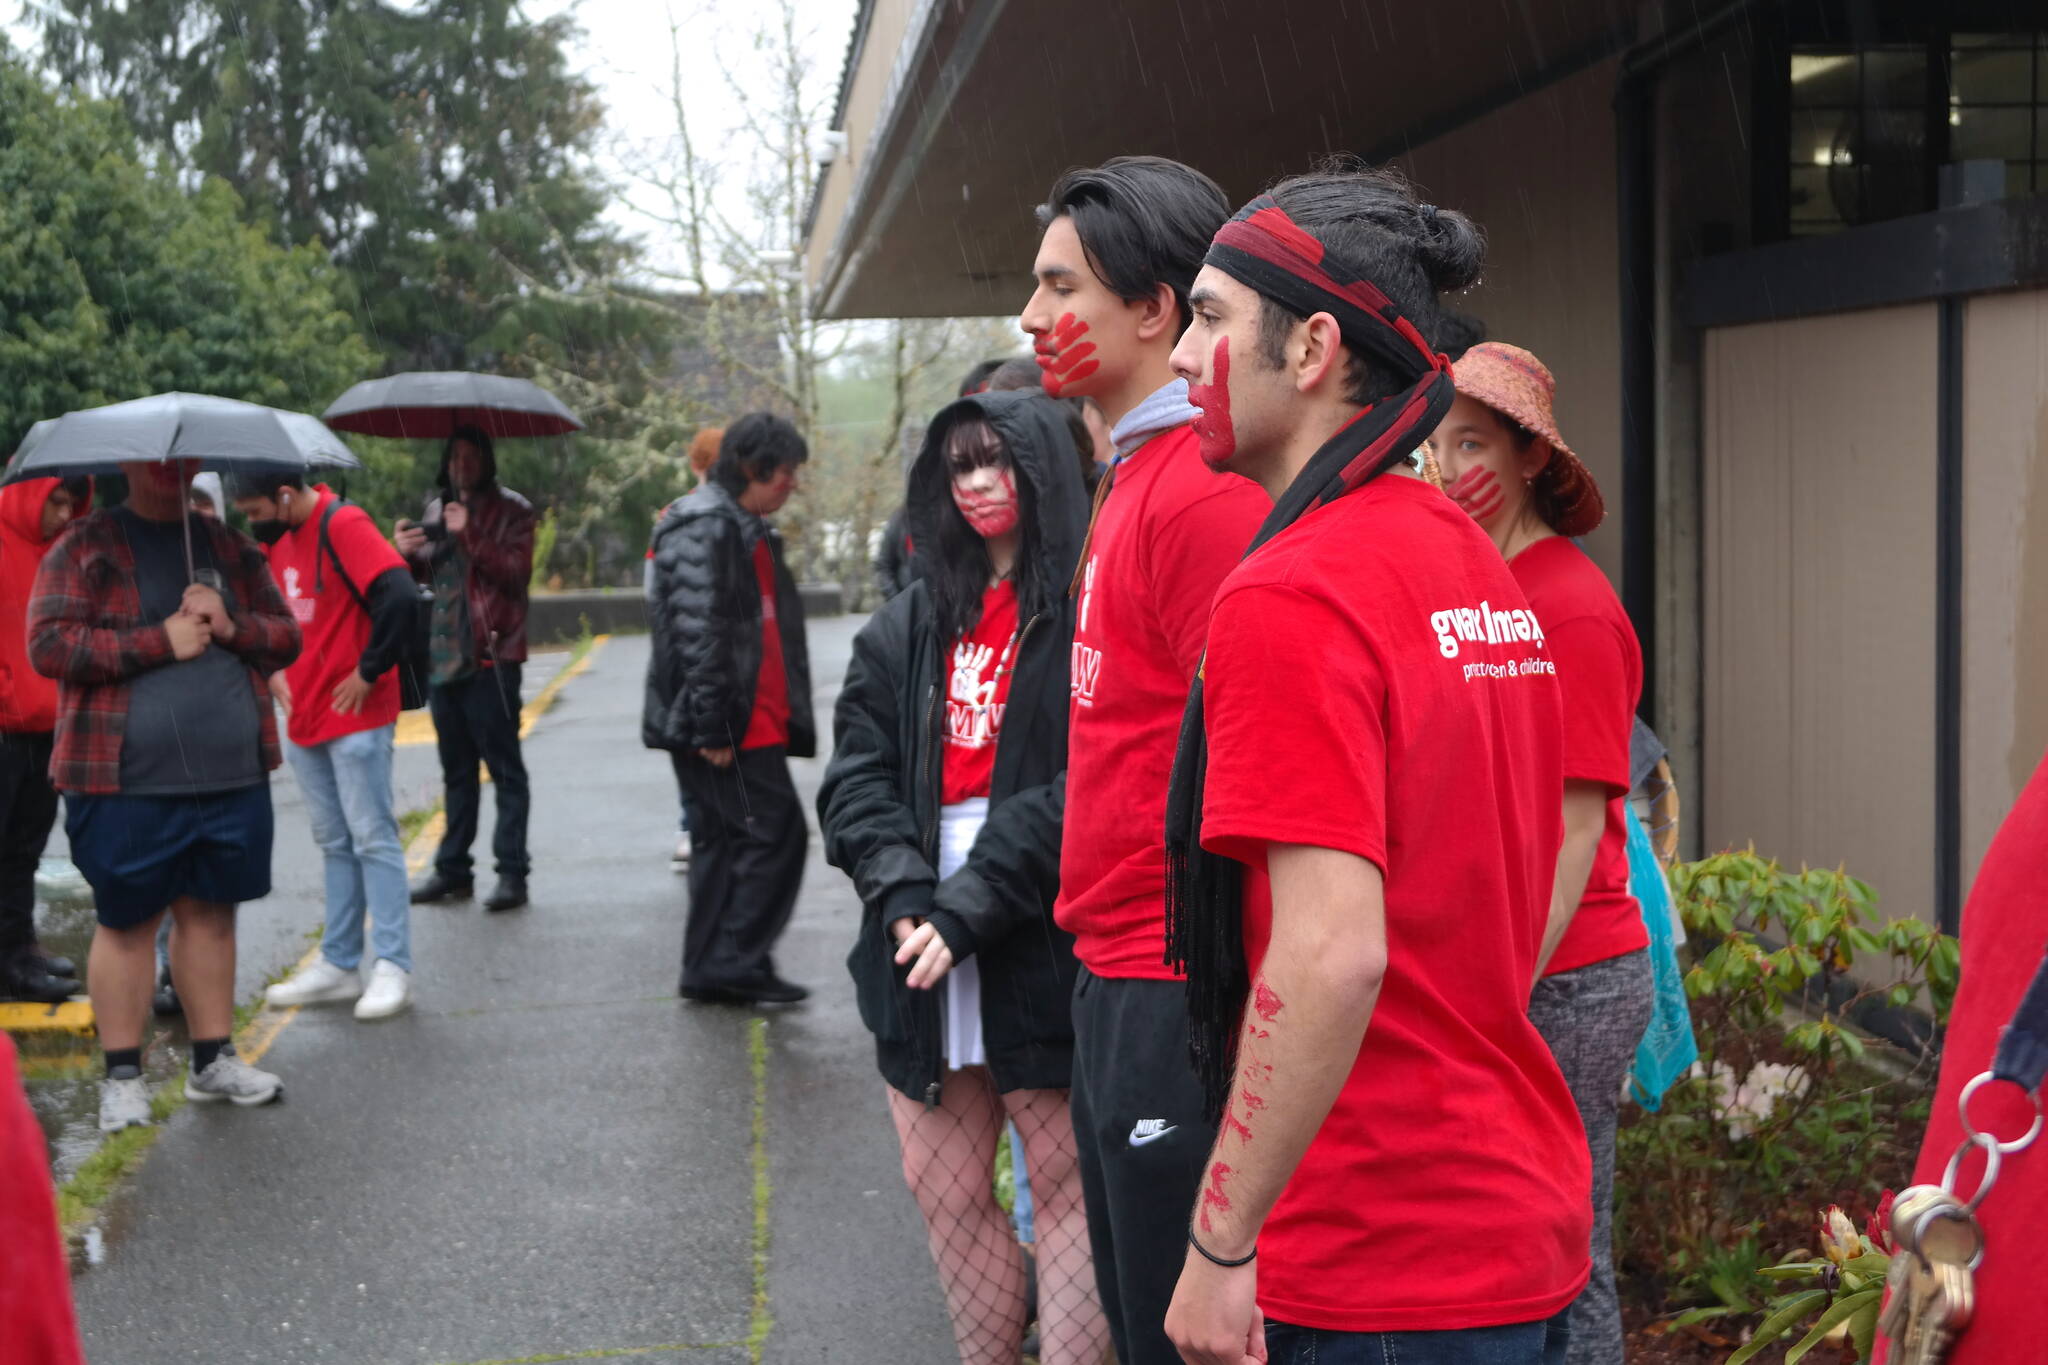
[(1213, 1259)]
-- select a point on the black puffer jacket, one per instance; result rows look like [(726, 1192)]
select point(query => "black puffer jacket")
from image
[(705, 611), (879, 806)]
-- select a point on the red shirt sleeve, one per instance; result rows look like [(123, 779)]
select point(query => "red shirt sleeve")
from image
[(1192, 553), (1592, 681), (361, 547), (1297, 754)]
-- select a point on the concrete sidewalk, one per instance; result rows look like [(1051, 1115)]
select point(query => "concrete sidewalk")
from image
[(551, 1157)]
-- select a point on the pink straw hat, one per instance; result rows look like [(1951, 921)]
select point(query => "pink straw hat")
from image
[(1517, 385)]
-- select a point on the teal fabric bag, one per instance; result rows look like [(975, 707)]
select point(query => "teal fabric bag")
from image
[(1667, 1049)]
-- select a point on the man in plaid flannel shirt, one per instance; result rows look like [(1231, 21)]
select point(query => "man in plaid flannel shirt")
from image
[(164, 743)]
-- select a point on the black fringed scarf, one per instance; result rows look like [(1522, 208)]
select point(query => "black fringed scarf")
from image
[(1267, 251)]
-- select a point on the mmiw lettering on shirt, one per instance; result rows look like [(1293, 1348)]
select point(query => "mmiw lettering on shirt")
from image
[(1456, 627), (973, 719), (1085, 665)]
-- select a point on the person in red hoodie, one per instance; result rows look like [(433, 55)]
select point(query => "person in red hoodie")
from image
[(37, 1322), (33, 513), (1121, 246)]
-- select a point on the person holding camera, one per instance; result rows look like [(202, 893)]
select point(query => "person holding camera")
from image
[(474, 547)]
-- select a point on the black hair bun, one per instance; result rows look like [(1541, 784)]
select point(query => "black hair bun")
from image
[(1451, 248)]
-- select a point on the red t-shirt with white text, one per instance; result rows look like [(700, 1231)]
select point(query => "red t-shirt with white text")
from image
[(977, 692), (768, 726), (1600, 674), (1169, 531), (1375, 684), (335, 629)]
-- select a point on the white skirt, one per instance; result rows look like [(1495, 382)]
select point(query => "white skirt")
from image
[(958, 825)]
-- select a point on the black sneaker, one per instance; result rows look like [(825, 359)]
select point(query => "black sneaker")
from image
[(52, 963), (437, 888), (165, 1002), (508, 894), (25, 978), (769, 989)]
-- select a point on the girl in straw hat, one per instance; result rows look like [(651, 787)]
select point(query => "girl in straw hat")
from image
[(1506, 465)]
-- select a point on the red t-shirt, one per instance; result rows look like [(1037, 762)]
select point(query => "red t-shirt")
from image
[(977, 692), (1600, 674), (336, 630), (1375, 684), (2004, 933), (1169, 532), (768, 726)]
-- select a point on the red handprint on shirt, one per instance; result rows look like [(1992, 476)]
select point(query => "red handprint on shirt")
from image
[(1065, 359), (1478, 492)]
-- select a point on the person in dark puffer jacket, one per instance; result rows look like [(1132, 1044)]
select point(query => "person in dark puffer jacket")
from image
[(943, 801), (729, 697)]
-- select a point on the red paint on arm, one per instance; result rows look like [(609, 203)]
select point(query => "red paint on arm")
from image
[(1266, 1003), (1233, 1124), (1213, 1196)]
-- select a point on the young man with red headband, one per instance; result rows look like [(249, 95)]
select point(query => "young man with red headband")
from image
[(1122, 243), (1384, 1097)]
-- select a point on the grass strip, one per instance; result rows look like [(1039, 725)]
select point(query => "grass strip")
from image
[(757, 1057)]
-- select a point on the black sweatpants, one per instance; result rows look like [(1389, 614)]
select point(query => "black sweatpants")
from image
[(28, 808), (477, 720), (1137, 1111), (748, 842)]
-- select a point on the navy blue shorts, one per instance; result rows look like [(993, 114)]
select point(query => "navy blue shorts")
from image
[(140, 853)]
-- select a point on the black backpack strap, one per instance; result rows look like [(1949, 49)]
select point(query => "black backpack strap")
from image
[(327, 552)]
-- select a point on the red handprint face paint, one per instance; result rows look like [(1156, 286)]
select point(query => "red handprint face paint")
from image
[(991, 511), (1478, 492), (1214, 436), (1066, 358)]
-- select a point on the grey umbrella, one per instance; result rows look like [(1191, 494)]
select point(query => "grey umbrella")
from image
[(431, 404), (222, 434)]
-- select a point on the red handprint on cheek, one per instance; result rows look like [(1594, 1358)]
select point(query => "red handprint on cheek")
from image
[(1478, 492), (1214, 436), (1064, 358)]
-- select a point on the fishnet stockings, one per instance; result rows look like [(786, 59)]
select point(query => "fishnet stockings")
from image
[(949, 1155)]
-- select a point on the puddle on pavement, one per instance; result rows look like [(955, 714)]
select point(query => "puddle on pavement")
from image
[(62, 1070)]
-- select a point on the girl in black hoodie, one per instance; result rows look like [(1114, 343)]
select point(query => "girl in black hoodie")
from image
[(943, 803)]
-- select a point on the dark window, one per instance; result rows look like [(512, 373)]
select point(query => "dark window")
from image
[(1998, 105), (1859, 136)]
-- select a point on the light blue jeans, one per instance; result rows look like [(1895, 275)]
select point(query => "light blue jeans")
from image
[(347, 785)]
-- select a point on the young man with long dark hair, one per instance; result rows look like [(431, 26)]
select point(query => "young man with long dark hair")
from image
[(1121, 245), (474, 547), (729, 697), (1376, 726)]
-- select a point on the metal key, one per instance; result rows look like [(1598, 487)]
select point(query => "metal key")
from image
[(1943, 1244), (1907, 1207)]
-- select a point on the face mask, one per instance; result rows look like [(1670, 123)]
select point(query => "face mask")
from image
[(270, 530), (990, 516)]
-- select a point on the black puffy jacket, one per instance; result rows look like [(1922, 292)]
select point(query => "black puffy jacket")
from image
[(705, 611), (879, 805)]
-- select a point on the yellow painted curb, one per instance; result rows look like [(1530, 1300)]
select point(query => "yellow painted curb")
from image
[(72, 1016), (416, 728)]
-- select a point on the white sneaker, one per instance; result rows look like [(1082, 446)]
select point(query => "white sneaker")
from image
[(320, 984), (231, 1078), (680, 859), (124, 1103), (390, 991)]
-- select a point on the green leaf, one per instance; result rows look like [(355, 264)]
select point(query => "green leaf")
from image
[(1840, 1312), (1863, 1328), (1778, 1323)]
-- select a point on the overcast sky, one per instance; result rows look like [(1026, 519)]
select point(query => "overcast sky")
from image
[(625, 52)]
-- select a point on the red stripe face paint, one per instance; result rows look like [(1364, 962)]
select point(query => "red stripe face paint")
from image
[(990, 514), (1478, 492), (1065, 357), (1213, 434)]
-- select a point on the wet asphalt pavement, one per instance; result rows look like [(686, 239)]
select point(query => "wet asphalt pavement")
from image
[(550, 1156)]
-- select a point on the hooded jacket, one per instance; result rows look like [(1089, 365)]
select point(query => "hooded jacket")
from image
[(704, 608), (28, 700), (497, 543), (879, 804)]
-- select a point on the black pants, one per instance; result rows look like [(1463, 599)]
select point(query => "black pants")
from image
[(28, 808), (477, 720), (1143, 1142), (748, 842)]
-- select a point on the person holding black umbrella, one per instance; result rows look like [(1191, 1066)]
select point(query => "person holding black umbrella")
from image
[(475, 548), (161, 627)]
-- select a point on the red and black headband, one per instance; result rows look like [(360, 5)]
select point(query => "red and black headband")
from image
[(1268, 252)]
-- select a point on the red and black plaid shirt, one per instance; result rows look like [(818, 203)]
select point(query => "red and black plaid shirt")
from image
[(86, 630)]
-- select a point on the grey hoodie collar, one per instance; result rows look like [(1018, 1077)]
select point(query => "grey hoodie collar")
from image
[(1164, 409)]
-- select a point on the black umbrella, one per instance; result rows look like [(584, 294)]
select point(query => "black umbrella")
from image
[(221, 434), (431, 404)]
